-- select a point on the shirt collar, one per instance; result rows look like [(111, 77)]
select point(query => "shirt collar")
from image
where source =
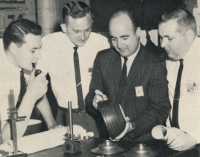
[(193, 48), (69, 42), (132, 57)]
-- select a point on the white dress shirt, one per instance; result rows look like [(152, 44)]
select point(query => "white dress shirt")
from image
[(130, 60), (189, 103), (57, 59), (9, 80)]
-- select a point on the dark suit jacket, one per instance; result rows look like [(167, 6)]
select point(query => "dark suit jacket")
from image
[(147, 71)]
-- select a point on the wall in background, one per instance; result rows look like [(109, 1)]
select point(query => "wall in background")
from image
[(47, 13), (147, 12), (194, 8), (50, 14), (14, 11)]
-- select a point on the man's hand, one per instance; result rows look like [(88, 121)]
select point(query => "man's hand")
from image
[(182, 141), (99, 96), (128, 128), (172, 134), (37, 86)]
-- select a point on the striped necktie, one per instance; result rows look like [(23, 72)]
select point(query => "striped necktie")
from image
[(122, 79)]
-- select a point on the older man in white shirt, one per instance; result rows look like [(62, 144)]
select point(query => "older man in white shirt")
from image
[(178, 36)]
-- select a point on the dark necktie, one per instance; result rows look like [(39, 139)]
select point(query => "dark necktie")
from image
[(176, 97), (123, 79), (35, 113), (22, 88), (78, 80)]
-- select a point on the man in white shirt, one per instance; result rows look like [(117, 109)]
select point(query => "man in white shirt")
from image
[(20, 48), (178, 36), (57, 58)]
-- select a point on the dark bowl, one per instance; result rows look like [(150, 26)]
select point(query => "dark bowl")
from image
[(113, 117)]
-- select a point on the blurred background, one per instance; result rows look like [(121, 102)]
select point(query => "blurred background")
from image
[(48, 14)]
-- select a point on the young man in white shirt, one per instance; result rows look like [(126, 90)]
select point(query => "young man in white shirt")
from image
[(57, 60), (19, 49)]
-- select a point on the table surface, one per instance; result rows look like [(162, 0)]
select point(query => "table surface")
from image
[(86, 147)]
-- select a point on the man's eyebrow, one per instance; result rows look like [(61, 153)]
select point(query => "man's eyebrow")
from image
[(112, 36), (123, 36), (37, 47), (165, 36), (75, 29), (88, 28), (81, 30)]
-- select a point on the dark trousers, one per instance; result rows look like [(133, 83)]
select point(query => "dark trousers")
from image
[(82, 119)]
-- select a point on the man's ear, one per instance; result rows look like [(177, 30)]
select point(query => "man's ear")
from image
[(138, 30), (190, 35), (63, 27), (13, 48)]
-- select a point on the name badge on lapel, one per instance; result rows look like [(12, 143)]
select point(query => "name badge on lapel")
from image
[(139, 91), (192, 87), (90, 71)]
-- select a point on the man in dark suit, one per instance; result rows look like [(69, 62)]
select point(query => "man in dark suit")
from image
[(144, 96)]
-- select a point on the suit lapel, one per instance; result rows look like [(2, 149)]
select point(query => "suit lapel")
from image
[(116, 71), (136, 65), (113, 73)]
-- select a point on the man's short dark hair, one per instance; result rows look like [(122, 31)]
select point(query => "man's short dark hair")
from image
[(184, 18), (75, 10), (130, 14), (16, 31)]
